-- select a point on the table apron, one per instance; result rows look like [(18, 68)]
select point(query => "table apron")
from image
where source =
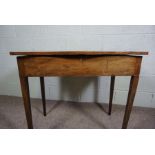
[(79, 65)]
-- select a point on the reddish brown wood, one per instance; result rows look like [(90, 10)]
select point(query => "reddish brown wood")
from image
[(131, 95), (112, 83), (42, 84), (80, 53), (78, 63), (25, 94)]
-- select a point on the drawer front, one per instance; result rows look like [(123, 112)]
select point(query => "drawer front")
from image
[(80, 65)]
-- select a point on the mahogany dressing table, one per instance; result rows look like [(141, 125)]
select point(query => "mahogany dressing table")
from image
[(79, 63)]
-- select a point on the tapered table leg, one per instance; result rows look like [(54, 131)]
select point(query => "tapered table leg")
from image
[(131, 95), (42, 84), (26, 100), (112, 83)]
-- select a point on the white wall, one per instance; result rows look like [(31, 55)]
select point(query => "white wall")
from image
[(33, 38)]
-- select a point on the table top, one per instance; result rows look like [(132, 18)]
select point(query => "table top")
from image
[(48, 53)]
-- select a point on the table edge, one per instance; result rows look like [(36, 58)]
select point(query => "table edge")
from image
[(48, 53)]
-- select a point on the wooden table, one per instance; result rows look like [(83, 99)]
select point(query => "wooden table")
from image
[(79, 63)]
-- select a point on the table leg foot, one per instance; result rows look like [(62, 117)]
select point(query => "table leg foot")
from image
[(26, 100), (42, 84), (112, 83), (131, 95)]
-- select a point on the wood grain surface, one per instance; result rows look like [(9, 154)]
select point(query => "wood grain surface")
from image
[(80, 65), (80, 53)]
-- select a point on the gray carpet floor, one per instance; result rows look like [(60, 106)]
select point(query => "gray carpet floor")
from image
[(71, 115)]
